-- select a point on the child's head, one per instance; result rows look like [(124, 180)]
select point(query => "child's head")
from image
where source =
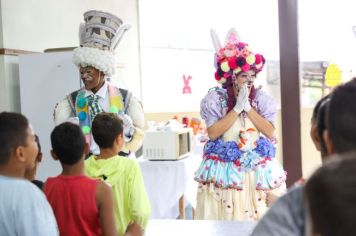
[(330, 194), (318, 124), (107, 129), (341, 119), (17, 141), (68, 143), (30, 174), (37, 139)]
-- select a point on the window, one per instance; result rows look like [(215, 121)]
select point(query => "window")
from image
[(326, 38), (176, 46)]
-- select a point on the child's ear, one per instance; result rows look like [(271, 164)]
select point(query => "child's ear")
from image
[(19, 154), (54, 155), (119, 140), (86, 149), (328, 143), (39, 157), (315, 137)]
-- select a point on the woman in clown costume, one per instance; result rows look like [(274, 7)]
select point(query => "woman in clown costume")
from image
[(239, 165)]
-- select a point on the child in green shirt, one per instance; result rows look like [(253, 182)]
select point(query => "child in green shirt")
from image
[(132, 207)]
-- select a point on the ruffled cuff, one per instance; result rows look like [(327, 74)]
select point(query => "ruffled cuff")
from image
[(135, 143)]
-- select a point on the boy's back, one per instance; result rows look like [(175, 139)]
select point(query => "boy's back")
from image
[(131, 201), (24, 209), (74, 203), (82, 206)]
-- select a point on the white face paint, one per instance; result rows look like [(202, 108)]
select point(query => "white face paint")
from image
[(87, 74), (242, 78)]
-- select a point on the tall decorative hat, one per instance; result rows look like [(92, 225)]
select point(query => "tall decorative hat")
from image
[(99, 35), (234, 57)]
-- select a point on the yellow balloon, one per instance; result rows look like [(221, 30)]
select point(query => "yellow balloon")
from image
[(333, 75)]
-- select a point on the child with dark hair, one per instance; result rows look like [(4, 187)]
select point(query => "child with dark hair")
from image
[(333, 213), (340, 135), (318, 124), (82, 206), (24, 209), (336, 121), (316, 132), (132, 208), (30, 174), (321, 127)]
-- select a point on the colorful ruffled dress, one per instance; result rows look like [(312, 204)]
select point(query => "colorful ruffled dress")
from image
[(240, 166)]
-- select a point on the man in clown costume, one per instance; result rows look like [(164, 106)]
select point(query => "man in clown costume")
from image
[(99, 36), (239, 165)]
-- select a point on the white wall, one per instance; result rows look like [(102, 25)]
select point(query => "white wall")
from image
[(9, 84), (55, 74), (35, 25), (1, 33)]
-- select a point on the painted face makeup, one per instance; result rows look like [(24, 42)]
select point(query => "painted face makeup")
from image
[(91, 78), (242, 78)]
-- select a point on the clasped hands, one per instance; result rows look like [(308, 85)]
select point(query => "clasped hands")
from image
[(242, 103)]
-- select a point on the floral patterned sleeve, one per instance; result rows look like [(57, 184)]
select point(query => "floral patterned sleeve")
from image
[(267, 106), (211, 107)]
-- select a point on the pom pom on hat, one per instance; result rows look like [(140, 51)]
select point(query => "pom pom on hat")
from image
[(237, 70), (225, 66), (241, 61), (217, 77), (227, 75), (250, 59), (258, 59), (245, 67), (232, 63)]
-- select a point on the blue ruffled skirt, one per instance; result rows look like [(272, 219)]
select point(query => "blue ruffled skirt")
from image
[(225, 164)]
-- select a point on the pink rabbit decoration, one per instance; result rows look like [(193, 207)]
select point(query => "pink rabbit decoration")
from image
[(186, 87)]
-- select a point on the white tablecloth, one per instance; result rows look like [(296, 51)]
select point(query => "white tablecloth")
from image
[(198, 227), (167, 181)]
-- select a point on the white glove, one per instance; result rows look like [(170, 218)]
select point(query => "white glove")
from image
[(128, 127), (74, 120), (247, 106), (241, 99)]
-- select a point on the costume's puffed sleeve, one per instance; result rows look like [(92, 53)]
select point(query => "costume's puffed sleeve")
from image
[(63, 112), (135, 111), (140, 207), (210, 108), (267, 106)]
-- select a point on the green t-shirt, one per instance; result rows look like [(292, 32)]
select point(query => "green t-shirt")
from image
[(124, 175)]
